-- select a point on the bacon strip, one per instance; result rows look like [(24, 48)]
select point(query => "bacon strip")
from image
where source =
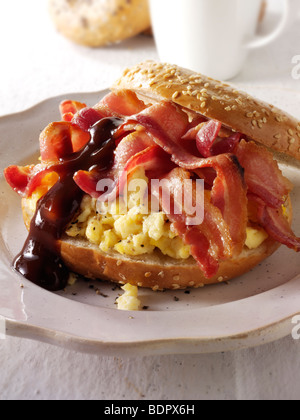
[(226, 144), (206, 137), (210, 241), (69, 108), (60, 139), (123, 103), (262, 174), (86, 118), (150, 158), (229, 177), (18, 177), (277, 227)]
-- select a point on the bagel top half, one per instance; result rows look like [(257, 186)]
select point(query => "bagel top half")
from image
[(256, 119)]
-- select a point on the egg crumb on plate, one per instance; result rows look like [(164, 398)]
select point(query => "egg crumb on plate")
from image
[(129, 300)]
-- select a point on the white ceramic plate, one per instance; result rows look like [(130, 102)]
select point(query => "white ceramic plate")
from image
[(251, 310)]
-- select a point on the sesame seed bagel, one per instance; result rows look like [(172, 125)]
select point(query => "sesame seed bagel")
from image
[(254, 118), (97, 23), (155, 271)]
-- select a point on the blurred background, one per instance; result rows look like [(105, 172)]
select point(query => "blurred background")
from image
[(41, 57)]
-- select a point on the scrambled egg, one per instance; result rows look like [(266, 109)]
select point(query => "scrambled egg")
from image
[(130, 231), (255, 237), (129, 300)]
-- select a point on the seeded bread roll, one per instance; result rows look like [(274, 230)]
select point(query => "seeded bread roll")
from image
[(254, 118), (96, 23)]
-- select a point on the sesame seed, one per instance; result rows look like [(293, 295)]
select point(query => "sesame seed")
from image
[(260, 124), (140, 284), (203, 90), (175, 286), (220, 279), (249, 115), (292, 140), (254, 123), (155, 288), (119, 263), (176, 278), (175, 95), (161, 274), (206, 85), (277, 136), (239, 101), (214, 98), (148, 274), (290, 132), (278, 118), (191, 283), (203, 105), (228, 108)]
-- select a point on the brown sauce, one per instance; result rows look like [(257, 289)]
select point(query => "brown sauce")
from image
[(40, 260)]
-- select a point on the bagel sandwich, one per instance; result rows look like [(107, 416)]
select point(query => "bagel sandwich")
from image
[(159, 123)]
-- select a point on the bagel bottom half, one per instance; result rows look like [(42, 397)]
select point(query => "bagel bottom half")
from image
[(155, 271)]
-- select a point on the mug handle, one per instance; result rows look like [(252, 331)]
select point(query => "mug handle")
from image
[(262, 41)]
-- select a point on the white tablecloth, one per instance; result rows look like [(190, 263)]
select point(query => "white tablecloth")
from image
[(37, 63)]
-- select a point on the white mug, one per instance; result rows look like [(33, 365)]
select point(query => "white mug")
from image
[(212, 37)]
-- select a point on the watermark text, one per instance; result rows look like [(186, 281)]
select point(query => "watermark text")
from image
[(296, 67)]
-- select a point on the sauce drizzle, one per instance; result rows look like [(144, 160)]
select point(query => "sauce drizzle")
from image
[(39, 260)]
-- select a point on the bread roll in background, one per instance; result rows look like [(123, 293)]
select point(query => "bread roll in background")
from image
[(97, 23)]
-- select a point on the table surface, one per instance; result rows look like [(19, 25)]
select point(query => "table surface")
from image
[(38, 63)]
